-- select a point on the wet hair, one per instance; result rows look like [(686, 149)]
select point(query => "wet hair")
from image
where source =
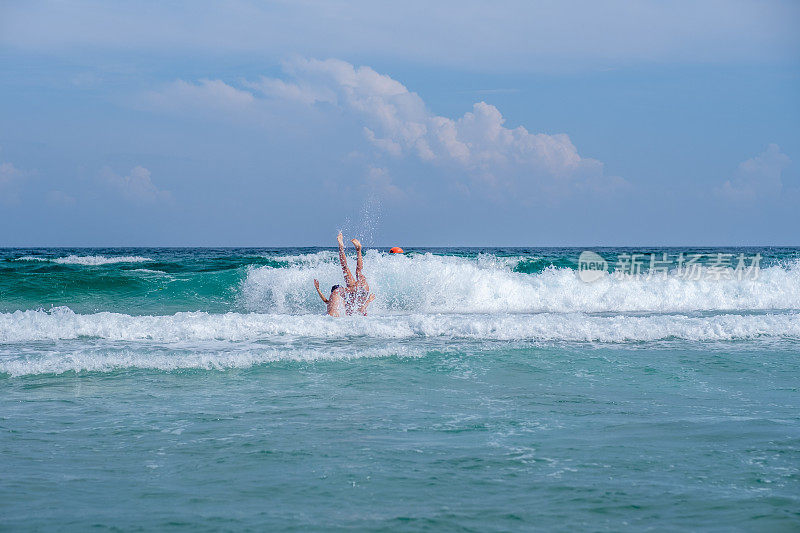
[(334, 288)]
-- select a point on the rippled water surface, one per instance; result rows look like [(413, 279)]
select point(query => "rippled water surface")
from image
[(489, 389)]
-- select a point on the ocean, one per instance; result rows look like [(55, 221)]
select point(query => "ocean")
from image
[(489, 389)]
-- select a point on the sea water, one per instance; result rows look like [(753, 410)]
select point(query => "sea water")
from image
[(488, 389)]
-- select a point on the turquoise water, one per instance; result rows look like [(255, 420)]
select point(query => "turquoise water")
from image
[(489, 389)]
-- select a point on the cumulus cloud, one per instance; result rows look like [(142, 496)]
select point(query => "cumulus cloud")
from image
[(759, 177), (10, 177), (8, 173), (477, 146), (205, 94), (379, 181), (301, 92), (136, 187), (397, 122)]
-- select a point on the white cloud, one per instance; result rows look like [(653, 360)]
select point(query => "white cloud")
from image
[(379, 181), (136, 186), (303, 93), (10, 177), (475, 149), (758, 177), (8, 173), (206, 94), (397, 122)]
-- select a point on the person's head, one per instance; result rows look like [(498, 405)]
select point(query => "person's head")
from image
[(335, 289)]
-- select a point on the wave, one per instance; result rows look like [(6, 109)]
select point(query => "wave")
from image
[(87, 260), (64, 324), (107, 341), (108, 360), (427, 283)]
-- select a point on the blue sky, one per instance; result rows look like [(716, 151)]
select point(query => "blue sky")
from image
[(414, 123)]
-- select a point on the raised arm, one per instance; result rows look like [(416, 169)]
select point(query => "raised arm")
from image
[(316, 286)]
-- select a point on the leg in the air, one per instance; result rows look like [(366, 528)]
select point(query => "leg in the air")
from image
[(359, 259), (348, 276)]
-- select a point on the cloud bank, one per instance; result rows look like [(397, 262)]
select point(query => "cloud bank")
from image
[(759, 177), (513, 36)]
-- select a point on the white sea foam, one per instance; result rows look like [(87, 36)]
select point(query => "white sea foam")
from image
[(63, 324), (106, 360), (323, 256), (427, 283), (110, 341), (56, 341), (88, 260)]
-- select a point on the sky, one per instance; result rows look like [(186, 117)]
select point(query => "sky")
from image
[(450, 123)]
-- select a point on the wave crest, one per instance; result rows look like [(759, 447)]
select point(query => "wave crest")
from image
[(87, 260), (64, 324), (428, 283)]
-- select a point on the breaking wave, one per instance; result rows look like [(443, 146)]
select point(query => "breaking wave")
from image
[(108, 341), (426, 303), (64, 324), (427, 283), (87, 260)]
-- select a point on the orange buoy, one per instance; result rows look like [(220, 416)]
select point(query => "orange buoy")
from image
[(396, 250)]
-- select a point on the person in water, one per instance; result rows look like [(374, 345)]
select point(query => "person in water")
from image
[(357, 296), (334, 301)]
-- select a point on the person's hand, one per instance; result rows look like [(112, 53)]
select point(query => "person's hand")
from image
[(316, 284), (356, 243), (340, 238)]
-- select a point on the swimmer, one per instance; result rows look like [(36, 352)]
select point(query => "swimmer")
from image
[(334, 301)]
